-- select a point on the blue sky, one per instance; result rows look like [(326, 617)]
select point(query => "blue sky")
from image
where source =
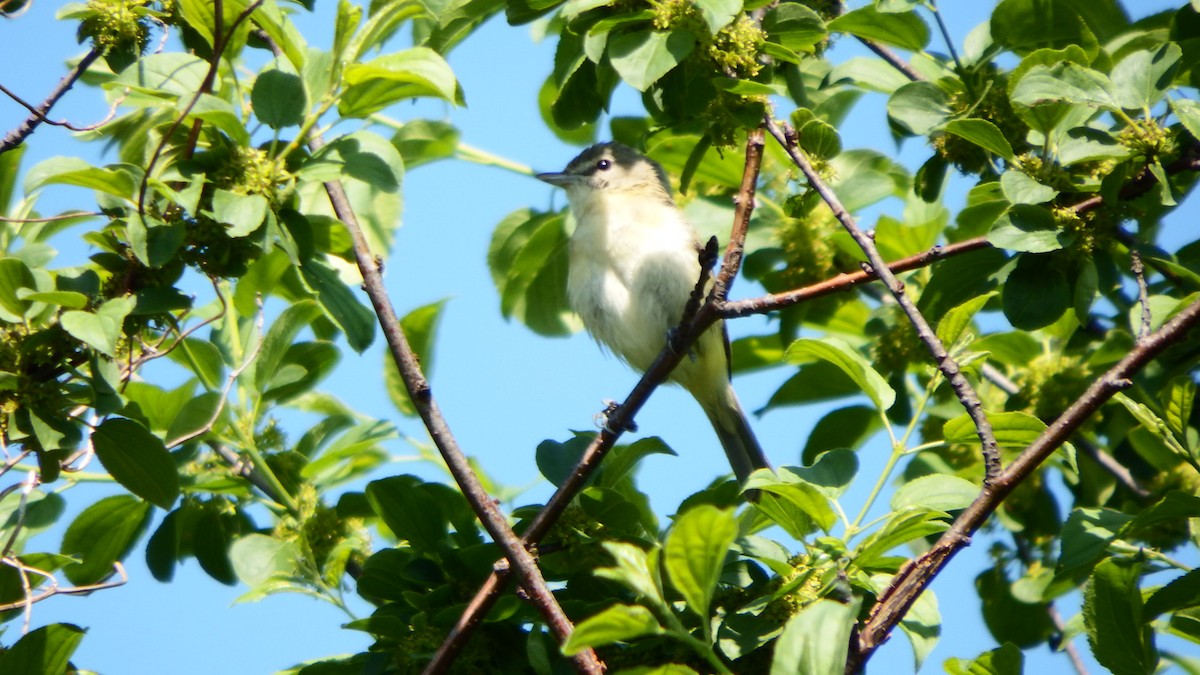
[(502, 388)]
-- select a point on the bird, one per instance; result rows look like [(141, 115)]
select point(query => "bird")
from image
[(633, 262)]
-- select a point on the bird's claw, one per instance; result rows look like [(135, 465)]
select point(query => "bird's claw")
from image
[(602, 418)]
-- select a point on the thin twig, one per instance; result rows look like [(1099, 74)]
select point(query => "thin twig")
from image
[(945, 363), (846, 281), (220, 42), (54, 588), (1069, 645), (422, 397), (915, 576), (38, 116), (892, 58), (1113, 467), (621, 418)]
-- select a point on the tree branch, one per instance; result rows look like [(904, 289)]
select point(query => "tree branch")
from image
[(422, 397), (38, 115), (916, 576), (692, 326), (945, 363)]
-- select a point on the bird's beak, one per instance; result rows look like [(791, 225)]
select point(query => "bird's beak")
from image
[(558, 179)]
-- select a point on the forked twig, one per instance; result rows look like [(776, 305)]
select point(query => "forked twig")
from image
[(941, 357)]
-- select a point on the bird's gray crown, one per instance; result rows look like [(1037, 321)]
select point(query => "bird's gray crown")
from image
[(614, 166)]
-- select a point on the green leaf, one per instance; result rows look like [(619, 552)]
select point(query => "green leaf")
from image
[(902, 526), (241, 214), (42, 651), (982, 133), (1026, 25), (410, 511), (258, 558), (169, 75), (1036, 293), (528, 261), (195, 416), (1175, 507), (1009, 619), (1028, 229), (1004, 660), (632, 570), (905, 30), (420, 326), (1021, 189), (100, 330), (849, 361), (1143, 77), (957, 321), (1177, 405), (423, 141), (848, 427), (815, 640), (695, 552), (279, 338), (1011, 429), (792, 502), (10, 168), (642, 57), (138, 460), (1086, 536), (1180, 593), (1112, 611), (15, 276), (340, 304), (941, 492), (919, 107), (212, 533), (279, 98), (1188, 112), (119, 180), (794, 27), (411, 73), (1067, 82), (718, 13), (103, 534), (618, 623), (371, 170)]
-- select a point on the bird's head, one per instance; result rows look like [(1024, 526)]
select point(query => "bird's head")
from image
[(611, 168)]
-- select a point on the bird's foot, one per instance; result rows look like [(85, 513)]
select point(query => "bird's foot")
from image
[(603, 418)]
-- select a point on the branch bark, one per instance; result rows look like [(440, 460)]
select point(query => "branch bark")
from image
[(38, 115), (916, 576), (621, 418), (941, 357)]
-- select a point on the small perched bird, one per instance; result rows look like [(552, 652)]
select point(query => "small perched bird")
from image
[(634, 261)]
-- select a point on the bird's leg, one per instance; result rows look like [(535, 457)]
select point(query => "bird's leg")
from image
[(601, 418)]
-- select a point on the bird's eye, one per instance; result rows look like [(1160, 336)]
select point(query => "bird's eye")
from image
[(604, 164)]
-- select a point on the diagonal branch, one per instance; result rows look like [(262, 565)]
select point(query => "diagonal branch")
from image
[(945, 363), (691, 327), (422, 397), (38, 115), (916, 575)]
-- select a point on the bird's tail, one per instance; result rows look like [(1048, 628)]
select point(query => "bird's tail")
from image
[(733, 429)]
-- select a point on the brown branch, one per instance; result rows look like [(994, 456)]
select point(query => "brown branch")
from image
[(743, 209), (893, 59), (945, 363), (220, 42), (916, 575), (691, 327), (18, 135), (1114, 468), (54, 588), (419, 391), (846, 281)]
